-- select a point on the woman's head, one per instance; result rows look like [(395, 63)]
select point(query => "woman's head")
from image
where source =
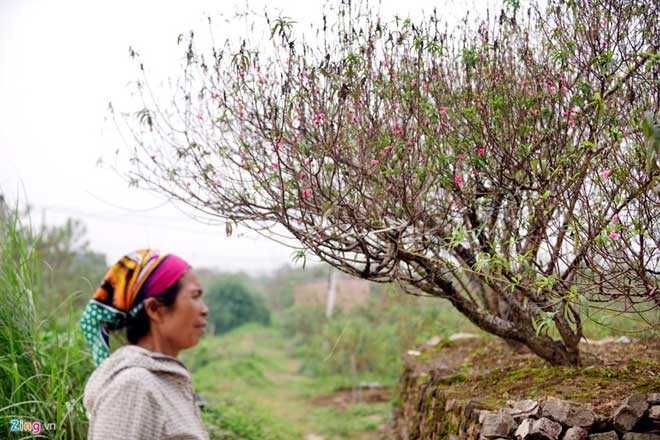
[(176, 317), (156, 296)]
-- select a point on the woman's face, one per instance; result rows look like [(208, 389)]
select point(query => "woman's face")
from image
[(185, 322)]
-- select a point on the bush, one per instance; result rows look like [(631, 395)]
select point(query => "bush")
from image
[(231, 303), (42, 368), (367, 342)]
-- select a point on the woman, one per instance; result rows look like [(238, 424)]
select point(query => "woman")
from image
[(142, 391)]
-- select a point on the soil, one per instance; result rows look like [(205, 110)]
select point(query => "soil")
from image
[(341, 399), (488, 370)]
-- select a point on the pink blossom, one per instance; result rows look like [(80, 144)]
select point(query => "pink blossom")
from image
[(435, 77), (443, 110), (535, 112), (413, 83), (552, 89), (605, 174), (475, 172), (307, 193), (427, 86), (276, 146), (374, 162), (317, 119), (303, 176), (395, 106), (460, 156), (605, 44), (276, 166), (484, 40), (571, 122), (458, 180), (481, 151), (615, 219), (614, 235)]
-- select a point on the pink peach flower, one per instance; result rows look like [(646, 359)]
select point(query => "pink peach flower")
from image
[(481, 151), (614, 235), (458, 180), (605, 174), (374, 162)]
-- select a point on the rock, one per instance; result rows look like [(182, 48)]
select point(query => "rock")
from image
[(640, 436), (610, 435), (414, 352), (524, 429), (472, 410), (623, 340), (461, 336), (580, 416), (654, 412), (630, 412), (575, 433), (497, 425), (435, 340), (555, 409), (524, 409), (602, 423), (603, 341), (653, 398), (567, 413), (545, 429)]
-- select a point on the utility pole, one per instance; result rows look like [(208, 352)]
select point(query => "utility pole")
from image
[(332, 291)]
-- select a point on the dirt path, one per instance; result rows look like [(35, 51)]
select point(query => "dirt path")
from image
[(309, 404)]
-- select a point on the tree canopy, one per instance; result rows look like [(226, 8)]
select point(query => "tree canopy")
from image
[(509, 165)]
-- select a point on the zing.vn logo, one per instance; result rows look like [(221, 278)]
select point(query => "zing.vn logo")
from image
[(34, 427)]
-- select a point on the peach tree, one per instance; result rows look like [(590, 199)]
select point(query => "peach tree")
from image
[(508, 164)]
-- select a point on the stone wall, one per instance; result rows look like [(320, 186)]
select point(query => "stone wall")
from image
[(473, 388), (436, 417)]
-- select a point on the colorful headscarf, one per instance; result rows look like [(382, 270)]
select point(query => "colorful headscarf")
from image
[(135, 277)]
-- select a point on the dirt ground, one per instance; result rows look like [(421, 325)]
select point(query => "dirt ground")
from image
[(487, 369)]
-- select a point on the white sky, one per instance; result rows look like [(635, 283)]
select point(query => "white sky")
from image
[(61, 62)]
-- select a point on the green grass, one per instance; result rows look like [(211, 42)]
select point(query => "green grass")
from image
[(250, 379), (43, 366)]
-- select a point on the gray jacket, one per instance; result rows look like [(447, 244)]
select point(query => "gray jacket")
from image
[(140, 394)]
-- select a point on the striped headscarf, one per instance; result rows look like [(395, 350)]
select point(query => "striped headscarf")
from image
[(135, 277)]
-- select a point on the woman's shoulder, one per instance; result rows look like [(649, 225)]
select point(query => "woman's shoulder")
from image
[(136, 369)]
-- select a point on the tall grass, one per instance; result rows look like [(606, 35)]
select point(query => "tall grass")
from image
[(43, 368)]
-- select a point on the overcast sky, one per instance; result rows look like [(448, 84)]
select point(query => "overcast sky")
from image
[(61, 63)]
